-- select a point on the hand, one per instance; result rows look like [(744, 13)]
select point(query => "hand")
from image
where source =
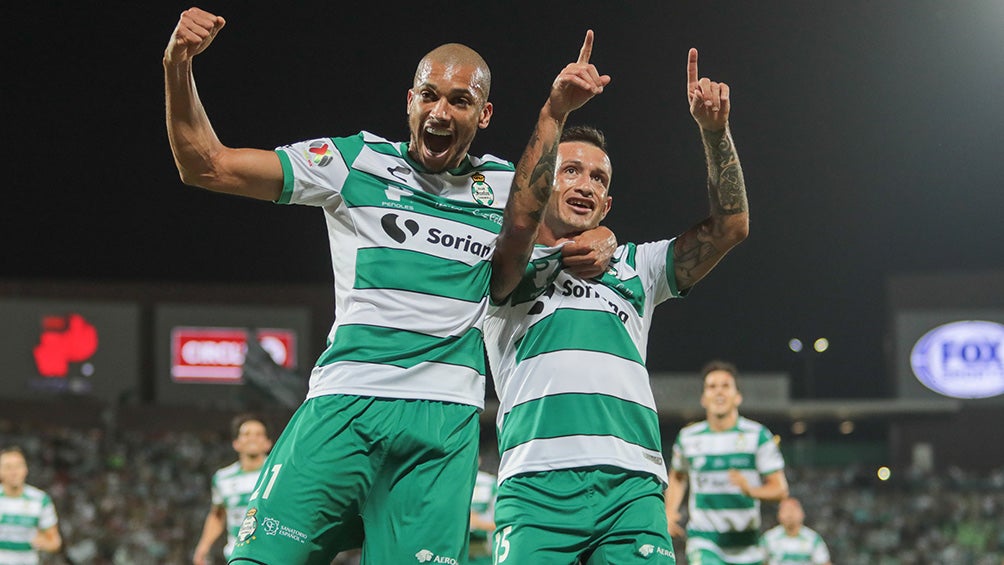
[(195, 31), (589, 253), (737, 478), (577, 83), (709, 101), (673, 521)]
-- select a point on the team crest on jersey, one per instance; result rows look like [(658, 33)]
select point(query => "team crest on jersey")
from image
[(319, 154), (480, 190), (248, 527)]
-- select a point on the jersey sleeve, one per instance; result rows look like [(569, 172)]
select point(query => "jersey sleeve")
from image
[(217, 496), (678, 462), (48, 517), (820, 553), (654, 264), (768, 454), (541, 270), (314, 171)]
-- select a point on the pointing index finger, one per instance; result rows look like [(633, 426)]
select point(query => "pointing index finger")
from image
[(691, 70), (587, 48)]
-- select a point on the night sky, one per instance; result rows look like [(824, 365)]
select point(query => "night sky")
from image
[(870, 135)]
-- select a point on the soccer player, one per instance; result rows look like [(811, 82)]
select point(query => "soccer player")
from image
[(27, 514), (383, 452), (733, 463), (482, 518), (581, 472), (791, 542), (232, 485)]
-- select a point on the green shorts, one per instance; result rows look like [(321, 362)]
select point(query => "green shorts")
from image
[(399, 471), (591, 516)]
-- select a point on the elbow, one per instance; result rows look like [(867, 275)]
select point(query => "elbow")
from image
[(737, 228)]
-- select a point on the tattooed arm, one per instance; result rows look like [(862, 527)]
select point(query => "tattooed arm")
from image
[(700, 248), (531, 187)]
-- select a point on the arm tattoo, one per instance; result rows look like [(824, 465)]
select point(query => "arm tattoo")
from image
[(540, 179), (726, 187)]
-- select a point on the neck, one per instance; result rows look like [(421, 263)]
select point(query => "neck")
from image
[(251, 462), (11, 490), (792, 530), (723, 422), (549, 236)]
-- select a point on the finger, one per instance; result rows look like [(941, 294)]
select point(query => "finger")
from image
[(726, 103), (587, 47), (707, 92), (691, 69), (716, 96)]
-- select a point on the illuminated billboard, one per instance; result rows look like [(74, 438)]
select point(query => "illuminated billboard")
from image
[(955, 353), (200, 349), (54, 347), (961, 359), (216, 355)]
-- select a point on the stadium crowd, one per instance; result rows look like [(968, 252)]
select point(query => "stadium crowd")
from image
[(139, 497)]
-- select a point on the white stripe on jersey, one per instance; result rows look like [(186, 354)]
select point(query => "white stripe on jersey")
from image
[(425, 381), (569, 452)]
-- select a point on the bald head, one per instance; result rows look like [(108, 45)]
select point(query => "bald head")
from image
[(455, 55)]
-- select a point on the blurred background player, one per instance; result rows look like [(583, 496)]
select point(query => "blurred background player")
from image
[(28, 522), (733, 463), (791, 542), (233, 484), (482, 517)]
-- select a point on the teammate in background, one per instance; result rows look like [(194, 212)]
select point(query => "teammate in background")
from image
[(388, 434), (733, 463), (232, 485), (581, 471), (27, 515), (791, 542), (482, 518)]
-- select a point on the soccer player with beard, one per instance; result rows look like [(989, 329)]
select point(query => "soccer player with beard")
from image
[(383, 452)]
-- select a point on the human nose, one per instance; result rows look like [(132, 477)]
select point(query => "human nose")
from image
[(440, 110)]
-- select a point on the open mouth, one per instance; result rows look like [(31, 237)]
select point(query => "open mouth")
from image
[(580, 205), (437, 140)]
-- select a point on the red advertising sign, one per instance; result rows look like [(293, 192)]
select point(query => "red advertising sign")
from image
[(216, 355), (64, 340)]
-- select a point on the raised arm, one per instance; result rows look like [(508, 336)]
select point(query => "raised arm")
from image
[(699, 249), (532, 184), (201, 158)]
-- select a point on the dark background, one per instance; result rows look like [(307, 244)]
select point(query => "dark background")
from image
[(869, 132)]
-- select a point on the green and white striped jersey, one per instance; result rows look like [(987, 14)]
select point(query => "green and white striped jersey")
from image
[(232, 487), (568, 359), (805, 548), (21, 518), (721, 516), (483, 503), (411, 253)]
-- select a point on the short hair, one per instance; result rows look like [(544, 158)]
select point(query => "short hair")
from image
[(458, 54), (719, 365), (240, 419), (585, 134), (12, 449)]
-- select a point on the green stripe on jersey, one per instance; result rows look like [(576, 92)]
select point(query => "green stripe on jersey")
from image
[(724, 501), (724, 462), (22, 520), (728, 539), (401, 348), (287, 178), (382, 268), (369, 191), (580, 414), (15, 546), (586, 330)]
